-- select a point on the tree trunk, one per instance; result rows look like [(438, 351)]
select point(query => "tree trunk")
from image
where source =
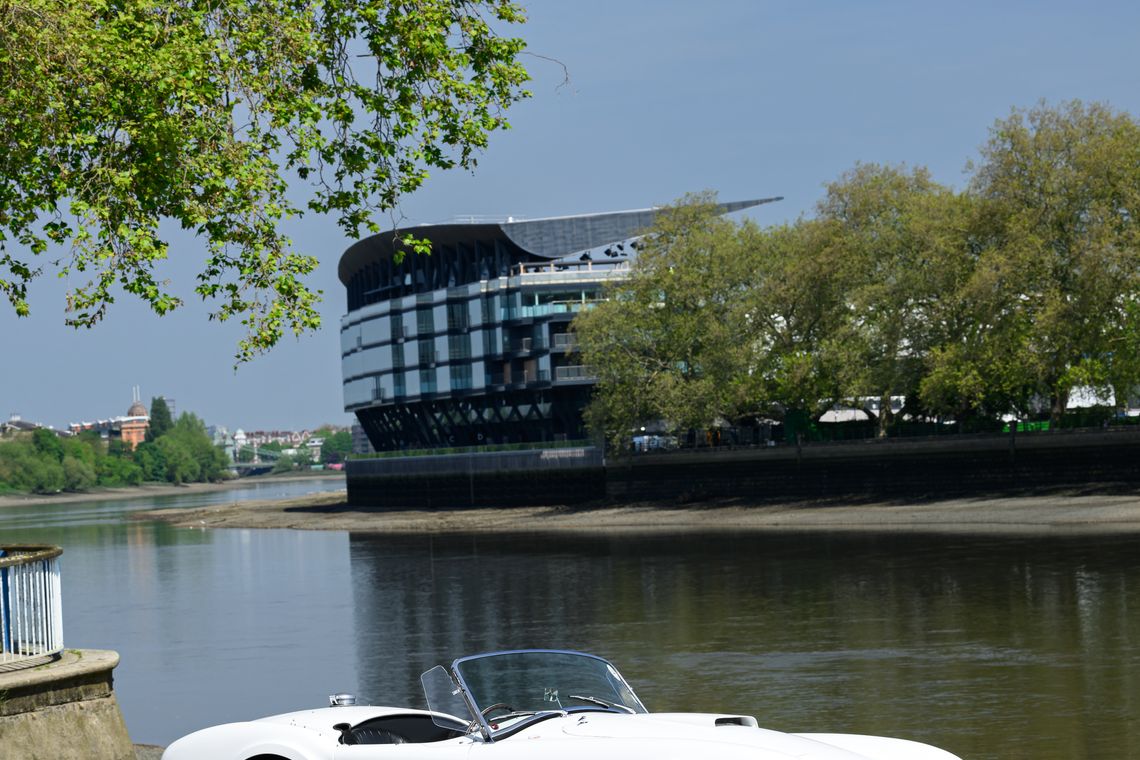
[(1060, 402), (885, 414)]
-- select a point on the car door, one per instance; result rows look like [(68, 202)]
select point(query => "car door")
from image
[(452, 749)]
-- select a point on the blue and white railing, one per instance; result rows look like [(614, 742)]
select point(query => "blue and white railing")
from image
[(31, 613)]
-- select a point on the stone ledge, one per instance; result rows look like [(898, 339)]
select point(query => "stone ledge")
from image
[(78, 675), (63, 710)]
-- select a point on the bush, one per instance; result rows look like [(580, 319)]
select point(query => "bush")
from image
[(150, 461), (78, 475), (25, 468), (116, 471)]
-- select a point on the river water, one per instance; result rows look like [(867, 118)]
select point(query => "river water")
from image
[(994, 648)]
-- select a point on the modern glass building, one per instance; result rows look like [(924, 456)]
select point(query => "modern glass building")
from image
[(471, 345)]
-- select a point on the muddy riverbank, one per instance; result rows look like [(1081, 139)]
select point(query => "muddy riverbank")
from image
[(152, 490), (1075, 512)]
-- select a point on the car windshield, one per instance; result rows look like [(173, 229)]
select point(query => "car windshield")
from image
[(536, 681)]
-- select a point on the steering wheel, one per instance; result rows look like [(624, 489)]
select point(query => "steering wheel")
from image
[(486, 711)]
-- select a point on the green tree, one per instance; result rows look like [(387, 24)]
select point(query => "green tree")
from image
[(47, 444), (46, 463), (303, 459), (121, 115), (210, 463), (118, 471), (84, 448), (151, 461), (1061, 192), (78, 474), (795, 321), (336, 446), (666, 342), (25, 468), (160, 419), (110, 460), (115, 447), (973, 369), (902, 249), (181, 466)]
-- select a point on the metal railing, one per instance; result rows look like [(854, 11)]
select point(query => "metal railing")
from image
[(566, 340), (574, 372), (31, 613), (523, 345)]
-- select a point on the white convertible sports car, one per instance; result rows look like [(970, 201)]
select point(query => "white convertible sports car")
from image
[(535, 703)]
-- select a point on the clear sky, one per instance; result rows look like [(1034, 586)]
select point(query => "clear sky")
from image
[(745, 97)]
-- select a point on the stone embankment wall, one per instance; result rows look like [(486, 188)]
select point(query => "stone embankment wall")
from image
[(499, 479), (63, 710), (887, 469), (883, 470)]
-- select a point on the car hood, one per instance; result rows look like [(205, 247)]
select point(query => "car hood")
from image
[(736, 736), (682, 728)]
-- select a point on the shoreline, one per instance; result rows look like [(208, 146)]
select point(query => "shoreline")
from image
[(1058, 513), (148, 490)]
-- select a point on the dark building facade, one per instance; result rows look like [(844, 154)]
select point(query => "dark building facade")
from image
[(471, 345)]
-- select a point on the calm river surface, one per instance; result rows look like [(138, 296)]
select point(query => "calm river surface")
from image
[(992, 648)]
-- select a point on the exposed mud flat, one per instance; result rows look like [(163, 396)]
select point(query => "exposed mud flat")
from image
[(1063, 512)]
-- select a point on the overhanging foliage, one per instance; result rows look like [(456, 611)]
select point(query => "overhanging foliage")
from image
[(120, 115)]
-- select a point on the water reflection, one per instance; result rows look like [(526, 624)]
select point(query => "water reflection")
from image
[(212, 626), (997, 649), (42, 518), (992, 648)]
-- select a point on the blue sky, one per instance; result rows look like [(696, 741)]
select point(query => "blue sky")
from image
[(747, 98)]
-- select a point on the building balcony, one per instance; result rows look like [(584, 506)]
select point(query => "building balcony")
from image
[(524, 345), (528, 378), (575, 373), (565, 341)]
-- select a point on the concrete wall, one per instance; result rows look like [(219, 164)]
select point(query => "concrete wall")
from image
[(488, 479), (901, 468), (63, 710), (914, 469)]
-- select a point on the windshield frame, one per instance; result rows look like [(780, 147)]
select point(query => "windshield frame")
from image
[(491, 733)]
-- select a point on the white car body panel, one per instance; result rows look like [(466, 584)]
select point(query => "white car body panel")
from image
[(550, 722), (883, 748), (309, 735)]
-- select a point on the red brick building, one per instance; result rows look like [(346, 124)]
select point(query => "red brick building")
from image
[(131, 428)]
